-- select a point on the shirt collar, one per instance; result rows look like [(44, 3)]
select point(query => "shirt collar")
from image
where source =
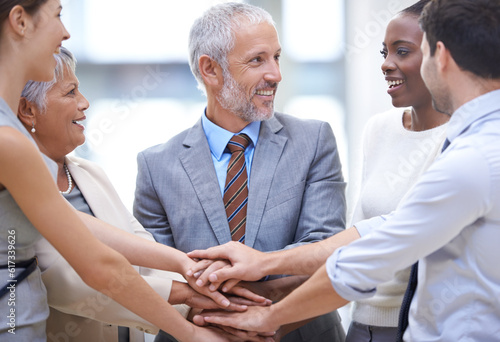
[(472, 111), (218, 137)]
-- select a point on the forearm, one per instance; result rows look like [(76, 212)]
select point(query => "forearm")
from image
[(251, 265), (107, 271), (129, 289), (288, 328), (137, 250), (180, 293), (306, 259), (314, 298), (113, 313), (67, 293), (142, 252)]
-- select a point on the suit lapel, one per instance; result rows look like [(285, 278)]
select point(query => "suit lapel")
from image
[(265, 160), (90, 190), (197, 162)]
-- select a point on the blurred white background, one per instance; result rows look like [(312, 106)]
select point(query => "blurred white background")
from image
[(132, 66)]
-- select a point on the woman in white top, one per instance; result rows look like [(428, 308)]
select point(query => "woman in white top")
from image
[(398, 146)]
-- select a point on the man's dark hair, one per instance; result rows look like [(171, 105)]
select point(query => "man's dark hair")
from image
[(470, 30)]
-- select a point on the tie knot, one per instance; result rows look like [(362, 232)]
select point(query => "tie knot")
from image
[(238, 143)]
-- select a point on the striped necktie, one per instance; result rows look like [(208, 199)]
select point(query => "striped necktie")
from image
[(236, 189), (410, 290)]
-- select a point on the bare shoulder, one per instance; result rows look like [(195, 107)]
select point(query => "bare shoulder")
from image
[(13, 144), (16, 151)]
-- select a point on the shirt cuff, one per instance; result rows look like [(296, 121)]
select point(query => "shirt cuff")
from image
[(339, 279), (366, 226)]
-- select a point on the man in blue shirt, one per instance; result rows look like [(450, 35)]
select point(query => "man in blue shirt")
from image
[(450, 220)]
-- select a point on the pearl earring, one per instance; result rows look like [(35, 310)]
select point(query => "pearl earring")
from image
[(33, 130)]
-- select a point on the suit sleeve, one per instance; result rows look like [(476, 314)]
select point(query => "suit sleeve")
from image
[(323, 211), (147, 206)]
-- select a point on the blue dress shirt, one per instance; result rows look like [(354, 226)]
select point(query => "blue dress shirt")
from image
[(450, 222), (218, 138)]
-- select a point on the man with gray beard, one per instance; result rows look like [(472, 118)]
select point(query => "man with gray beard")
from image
[(243, 172)]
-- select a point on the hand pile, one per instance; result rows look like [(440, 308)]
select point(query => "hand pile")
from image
[(243, 312)]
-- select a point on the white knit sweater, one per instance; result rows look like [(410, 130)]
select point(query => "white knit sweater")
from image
[(393, 159)]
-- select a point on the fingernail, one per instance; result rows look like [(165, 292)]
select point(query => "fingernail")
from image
[(189, 273), (225, 302), (199, 282), (224, 289)]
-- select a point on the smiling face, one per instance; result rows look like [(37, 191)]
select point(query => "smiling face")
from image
[(402, 60), (45, 35), (251, 82), (58, 129)]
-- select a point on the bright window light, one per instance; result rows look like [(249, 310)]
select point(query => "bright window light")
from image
[(313, 30), (129, 31)]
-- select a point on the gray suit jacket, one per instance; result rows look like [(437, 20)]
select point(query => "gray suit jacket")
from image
[(296, 190)]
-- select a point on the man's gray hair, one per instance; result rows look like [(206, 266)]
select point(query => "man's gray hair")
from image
[(213, 34), (36, 92)]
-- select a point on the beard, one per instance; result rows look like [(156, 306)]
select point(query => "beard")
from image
[(441, 101), (232, 98), (441, 107), (440, 98)]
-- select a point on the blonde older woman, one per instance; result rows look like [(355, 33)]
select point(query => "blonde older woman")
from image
[(53, 112)]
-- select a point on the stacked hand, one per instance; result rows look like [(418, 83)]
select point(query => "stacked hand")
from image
[(255, 319), (206, 299), (246, 296), (226, 265), (222, 268), (239, 299)]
